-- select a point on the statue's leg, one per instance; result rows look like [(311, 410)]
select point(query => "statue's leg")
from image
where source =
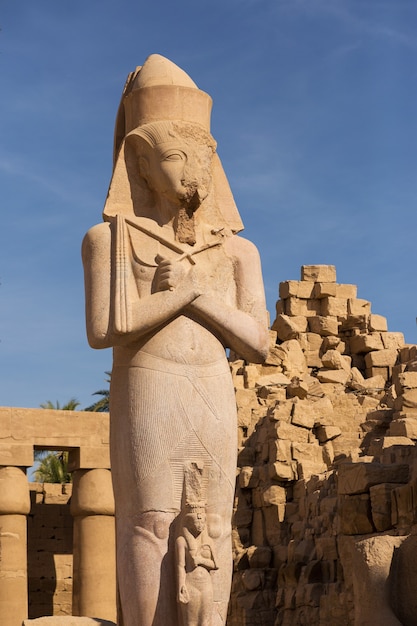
[(146, 570), (220, 530)]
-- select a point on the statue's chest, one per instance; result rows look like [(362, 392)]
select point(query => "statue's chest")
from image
[(212, 265)]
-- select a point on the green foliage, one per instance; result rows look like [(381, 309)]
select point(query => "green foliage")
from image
[(102, 405), (53, 468), (71, 405)]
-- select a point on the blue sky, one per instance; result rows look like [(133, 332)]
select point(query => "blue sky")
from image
[(315, 115)]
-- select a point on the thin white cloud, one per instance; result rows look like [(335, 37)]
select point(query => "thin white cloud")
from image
[(344, 11)]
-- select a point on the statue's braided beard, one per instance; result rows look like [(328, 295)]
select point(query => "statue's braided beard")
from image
[(197, 191), (185, 226)]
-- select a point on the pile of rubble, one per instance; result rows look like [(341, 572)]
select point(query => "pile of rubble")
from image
[(327, 430)]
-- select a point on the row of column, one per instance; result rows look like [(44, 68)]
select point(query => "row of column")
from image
[(94, 568)]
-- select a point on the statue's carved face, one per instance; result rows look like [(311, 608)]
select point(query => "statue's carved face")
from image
[(179, 171), (196, 521)]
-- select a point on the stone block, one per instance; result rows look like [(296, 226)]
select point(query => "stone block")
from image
[(326, 433), (303, 415), (89, 458), (393, 341), (246, 398), (333, 343), (282, 471), (404, 505), (250, 376), (274, 494), (306, 469), (294, 362), (281, 412), (381, 372), (313, 359), (307, 452), (381, 358), (357, 478), (381, 496), (409, 399), (377, 323), (333, 376), (326, 548), (404, 427), (310, 341), (243, 515), (334, 307), (346, 291), (301, 307), (375, 382), (328, 453), (280, 307), (288, 327), (371, 560), (318, 273), (323, 326), (18, 455), (355, 515), (273, 517), (332, 359), (358, 307), (408, 353), (291, 432), (53, 494), (270, 380), (296, 288), (408, 380), (403, 581), (324, 290), (280, 450), (365, 343), (5, 422)]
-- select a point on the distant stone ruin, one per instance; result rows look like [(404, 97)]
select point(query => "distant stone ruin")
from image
[(326, 498), (326, 501)]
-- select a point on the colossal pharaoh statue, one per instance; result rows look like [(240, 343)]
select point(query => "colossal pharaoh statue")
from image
[(170, 286)]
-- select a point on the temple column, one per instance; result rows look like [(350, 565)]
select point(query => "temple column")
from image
[(14, 507), (94, 569)]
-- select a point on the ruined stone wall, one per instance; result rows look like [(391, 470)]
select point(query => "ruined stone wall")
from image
[(327, 473), (50, 550)]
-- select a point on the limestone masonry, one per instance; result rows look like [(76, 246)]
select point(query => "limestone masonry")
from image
[(327, 493), (326, 496)]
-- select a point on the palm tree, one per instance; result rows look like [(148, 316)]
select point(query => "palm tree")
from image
[(71, 405), (102, 405), (52, 466)]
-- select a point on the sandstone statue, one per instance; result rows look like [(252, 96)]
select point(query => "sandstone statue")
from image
[(170, 286)]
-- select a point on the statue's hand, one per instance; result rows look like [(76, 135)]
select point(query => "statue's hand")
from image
[(183, 596), (168, 274)]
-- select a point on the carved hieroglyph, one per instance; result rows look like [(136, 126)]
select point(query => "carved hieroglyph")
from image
[(170, 285)]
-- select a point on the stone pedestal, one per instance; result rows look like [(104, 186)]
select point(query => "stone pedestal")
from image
[(14, 507), (92, 506)]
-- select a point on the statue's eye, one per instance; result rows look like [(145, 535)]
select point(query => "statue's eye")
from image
[(173, 156)]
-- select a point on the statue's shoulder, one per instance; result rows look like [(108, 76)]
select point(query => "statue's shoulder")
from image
[(98, 234), (241, 248), (96, 241)]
